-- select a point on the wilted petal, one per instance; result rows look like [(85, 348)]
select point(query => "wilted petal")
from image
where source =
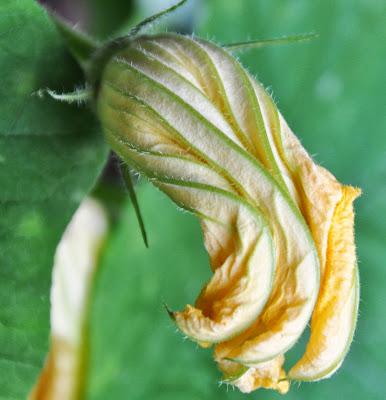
[(269, 375), (335, 315)]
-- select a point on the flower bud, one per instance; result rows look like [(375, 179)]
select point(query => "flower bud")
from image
[(277, 227)]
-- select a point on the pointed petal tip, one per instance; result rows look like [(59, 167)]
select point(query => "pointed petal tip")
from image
[(169, 311), (352, 192)]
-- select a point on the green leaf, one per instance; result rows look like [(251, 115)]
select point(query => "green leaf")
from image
[(107, 17), (78, 43), (50, 156)]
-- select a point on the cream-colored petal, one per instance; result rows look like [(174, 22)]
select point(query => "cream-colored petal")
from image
[(242, 279), (135, 79), (74, 267)]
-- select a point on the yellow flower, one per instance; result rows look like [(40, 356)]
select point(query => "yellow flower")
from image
[(278, 228)]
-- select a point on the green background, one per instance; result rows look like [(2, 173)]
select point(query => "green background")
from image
[(331, 92)]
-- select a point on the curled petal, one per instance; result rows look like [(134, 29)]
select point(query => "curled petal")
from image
[(334, 319)]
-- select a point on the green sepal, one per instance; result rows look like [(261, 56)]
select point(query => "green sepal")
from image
[(147, 22), (81, 46), (104, 53), (126, 175), (253, 44), (78, 96)]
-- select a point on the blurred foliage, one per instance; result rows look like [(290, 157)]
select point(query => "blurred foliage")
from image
[(50, 157), (332, 93), (106, 17)]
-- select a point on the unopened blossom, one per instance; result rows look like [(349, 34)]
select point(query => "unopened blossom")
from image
[(278, 228)]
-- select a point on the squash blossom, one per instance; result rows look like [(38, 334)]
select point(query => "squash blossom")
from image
[(277, 227)]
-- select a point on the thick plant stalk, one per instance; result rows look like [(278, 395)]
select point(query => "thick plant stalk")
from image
[(278, 228)]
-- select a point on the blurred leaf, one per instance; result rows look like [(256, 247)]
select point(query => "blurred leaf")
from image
[(50, 156), (106, 17), (78, 43)]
